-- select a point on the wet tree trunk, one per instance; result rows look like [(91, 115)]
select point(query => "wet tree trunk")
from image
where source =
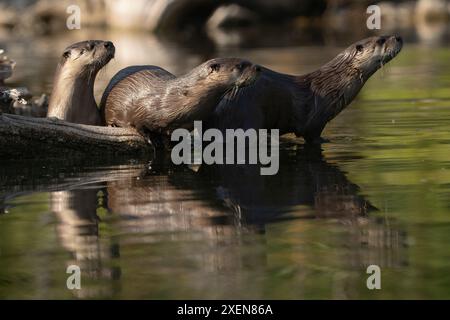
[(24, 137)]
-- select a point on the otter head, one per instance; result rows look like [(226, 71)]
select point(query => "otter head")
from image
[(371, 54), (72, 98), (337, 83), (229, 73), (203, 88), (87, 57), (345, 75)]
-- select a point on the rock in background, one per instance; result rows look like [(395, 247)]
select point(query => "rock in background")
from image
[(6, 67), (18, 100), (190, 16), (48, 16), (153, 15)]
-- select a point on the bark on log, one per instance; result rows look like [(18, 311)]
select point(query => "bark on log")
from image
[(24, 137)]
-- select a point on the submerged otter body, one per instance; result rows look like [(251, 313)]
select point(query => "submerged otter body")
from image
[(151, 99), (305, 104), (72, 98)]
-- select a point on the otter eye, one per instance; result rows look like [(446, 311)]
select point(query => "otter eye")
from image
[(215, 67), (381, 41), (66, 54), (82, 51), (359, 47)]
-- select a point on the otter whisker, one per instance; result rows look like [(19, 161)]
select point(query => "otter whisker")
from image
[(226, 95), (232, 93), (239, 92), (235, 92)]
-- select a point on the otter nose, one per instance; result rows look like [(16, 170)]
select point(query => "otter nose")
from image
[(108, 44)]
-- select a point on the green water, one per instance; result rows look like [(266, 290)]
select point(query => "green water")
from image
[(378, 193)]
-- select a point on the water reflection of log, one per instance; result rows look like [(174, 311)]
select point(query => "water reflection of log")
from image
[(22, 176)]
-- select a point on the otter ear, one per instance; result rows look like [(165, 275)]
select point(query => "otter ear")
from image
[(214, 67)]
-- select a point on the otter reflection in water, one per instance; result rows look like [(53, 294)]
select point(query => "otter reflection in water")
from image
[(212, 214), (224, 200), (78, 232)]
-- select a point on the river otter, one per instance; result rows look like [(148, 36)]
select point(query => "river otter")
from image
[(72, 98), (154, 101), (305, 104)]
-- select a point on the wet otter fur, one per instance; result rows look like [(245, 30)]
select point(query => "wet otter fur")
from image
[(153, 100), (305, 104)]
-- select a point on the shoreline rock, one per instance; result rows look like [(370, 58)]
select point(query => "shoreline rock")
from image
[(18, 100)]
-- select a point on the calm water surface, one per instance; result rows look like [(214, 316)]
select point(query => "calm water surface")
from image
[(378, 193)]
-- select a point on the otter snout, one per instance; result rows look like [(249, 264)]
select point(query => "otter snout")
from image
[(100, 47), (106, 46), (109, 46), (390, 40), (393, 45), (394, 40)]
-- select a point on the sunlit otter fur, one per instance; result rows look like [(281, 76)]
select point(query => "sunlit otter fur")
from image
[(153, 100), (72, 98), (305, 104)]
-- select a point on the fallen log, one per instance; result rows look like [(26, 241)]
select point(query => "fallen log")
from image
[(26, 137)]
